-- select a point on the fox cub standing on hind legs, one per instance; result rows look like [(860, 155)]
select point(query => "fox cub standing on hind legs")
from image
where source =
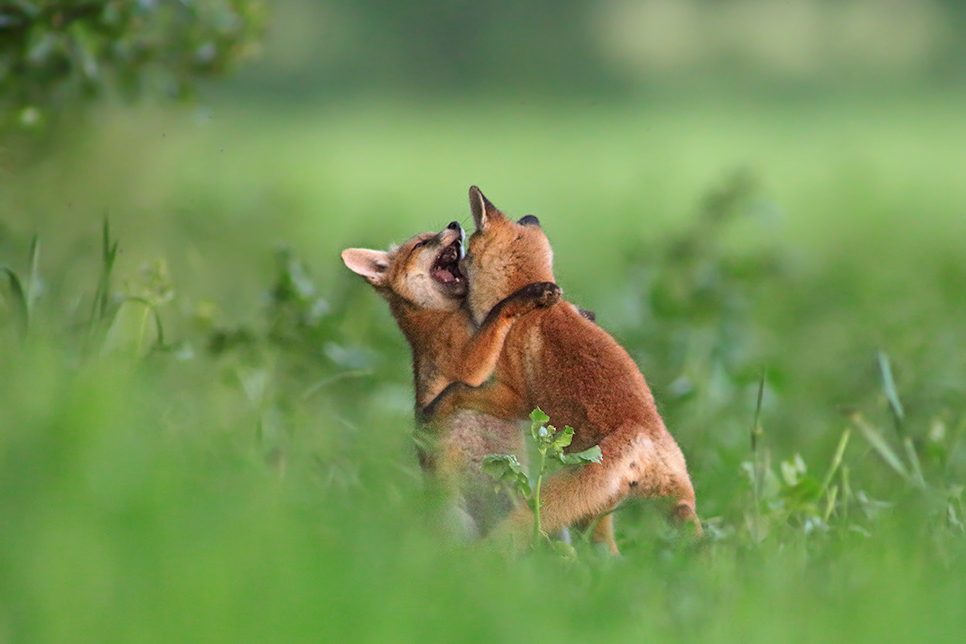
[(425, 289), (578, 375)]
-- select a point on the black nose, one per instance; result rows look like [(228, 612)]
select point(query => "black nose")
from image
[(455, 225)]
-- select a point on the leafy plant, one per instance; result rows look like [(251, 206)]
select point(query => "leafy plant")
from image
[(55, 53), (549, 443), (789, 497)]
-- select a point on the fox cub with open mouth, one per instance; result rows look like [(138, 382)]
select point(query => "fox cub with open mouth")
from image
[(555, 359), (426, 290)]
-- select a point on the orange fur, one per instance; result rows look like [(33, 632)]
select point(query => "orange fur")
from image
[(555, 359), (446, 346)]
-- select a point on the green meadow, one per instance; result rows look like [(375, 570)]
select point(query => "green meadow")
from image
[(205, 419)]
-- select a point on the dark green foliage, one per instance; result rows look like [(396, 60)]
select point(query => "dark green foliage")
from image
[(56, 53)]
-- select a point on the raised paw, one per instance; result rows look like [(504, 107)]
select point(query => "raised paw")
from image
[(542, 294), (538, 294)]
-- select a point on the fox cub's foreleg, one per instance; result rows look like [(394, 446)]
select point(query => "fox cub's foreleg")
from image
[(483, 350), (481, 354), (492, 398)]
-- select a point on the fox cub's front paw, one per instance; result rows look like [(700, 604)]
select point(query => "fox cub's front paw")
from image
[(542, 294), (538, 294)]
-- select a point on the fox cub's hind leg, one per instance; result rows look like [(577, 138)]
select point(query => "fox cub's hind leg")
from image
[(632, 465), (657, 470)]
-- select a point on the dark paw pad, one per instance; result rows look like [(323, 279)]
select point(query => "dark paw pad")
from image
[(541, 293)]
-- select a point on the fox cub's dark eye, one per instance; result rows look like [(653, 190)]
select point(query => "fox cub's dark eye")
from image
[(420, 244), (529, 220)]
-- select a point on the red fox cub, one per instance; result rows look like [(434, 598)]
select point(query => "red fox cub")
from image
[(555, 359), (422, 282)]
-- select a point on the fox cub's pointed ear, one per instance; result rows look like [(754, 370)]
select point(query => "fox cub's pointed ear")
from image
[(371, 264), (483, 211)]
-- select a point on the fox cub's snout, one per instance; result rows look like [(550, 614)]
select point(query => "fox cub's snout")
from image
[(423, 270)]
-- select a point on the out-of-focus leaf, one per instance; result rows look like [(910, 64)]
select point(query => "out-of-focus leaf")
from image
[(837, 459), (805, 492), (793, 470), (64, 53), (19, 298), (880, 445), (564, 549), (914, 462), (889, 388), (833, 493)]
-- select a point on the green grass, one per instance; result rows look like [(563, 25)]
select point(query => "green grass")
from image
[(253, 478)]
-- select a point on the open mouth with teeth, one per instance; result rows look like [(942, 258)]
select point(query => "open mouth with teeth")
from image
[(446, 269)]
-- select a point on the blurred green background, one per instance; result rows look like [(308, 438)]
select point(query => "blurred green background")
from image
[(206, 436)]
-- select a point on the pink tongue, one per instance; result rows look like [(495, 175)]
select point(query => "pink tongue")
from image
[(444, 276)]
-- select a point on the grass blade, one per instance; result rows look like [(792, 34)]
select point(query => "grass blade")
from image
[(837, 459), (319, 385), (889, 387), (917, 476), (830, 503), (33, 278), (757, 470), (21, 306), (880, 445), (756, 425), (101, 301)]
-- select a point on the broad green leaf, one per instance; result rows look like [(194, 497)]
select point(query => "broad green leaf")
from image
[(592, 455), (563, 438), (537, 417)]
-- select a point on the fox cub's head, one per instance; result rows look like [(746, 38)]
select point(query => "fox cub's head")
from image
[(503, 255), (423, 271)]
